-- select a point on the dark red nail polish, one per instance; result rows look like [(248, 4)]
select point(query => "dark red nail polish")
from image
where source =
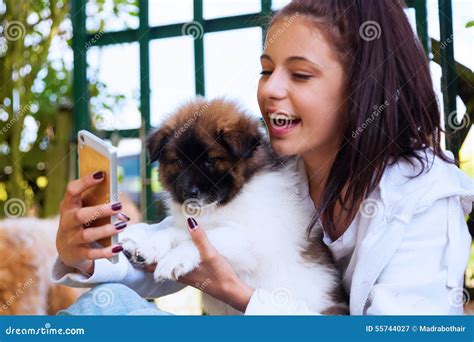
[(120, 225), (117, 249), (116, 206), (125, 216), (192, 223), (99, 175)]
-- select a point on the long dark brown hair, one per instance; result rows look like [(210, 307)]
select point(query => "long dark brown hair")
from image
[(390, 108)]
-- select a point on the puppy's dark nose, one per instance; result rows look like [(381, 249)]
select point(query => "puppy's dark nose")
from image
[(192, 192)]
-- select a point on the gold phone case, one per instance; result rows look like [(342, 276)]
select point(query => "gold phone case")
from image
[(96, 155)]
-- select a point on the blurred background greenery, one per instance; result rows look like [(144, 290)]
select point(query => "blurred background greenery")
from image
[(36, 63)]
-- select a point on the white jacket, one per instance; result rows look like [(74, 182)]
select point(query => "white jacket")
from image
[(409, 259)]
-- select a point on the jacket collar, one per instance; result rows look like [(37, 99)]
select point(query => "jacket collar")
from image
[(403, 193)]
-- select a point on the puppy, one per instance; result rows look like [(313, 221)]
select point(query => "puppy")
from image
[(215, 164)]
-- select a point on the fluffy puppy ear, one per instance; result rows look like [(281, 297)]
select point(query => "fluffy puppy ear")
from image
[(156, 143), (241, 143)]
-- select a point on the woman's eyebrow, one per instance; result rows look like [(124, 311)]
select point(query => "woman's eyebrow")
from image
[(293, 59), (304, 59)]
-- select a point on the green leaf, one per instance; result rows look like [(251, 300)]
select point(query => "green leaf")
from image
[(470, 24)]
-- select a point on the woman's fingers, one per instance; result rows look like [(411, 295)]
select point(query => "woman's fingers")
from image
[(76, 187), (199, 237), (85, 216), (100, 253), (92, 234)]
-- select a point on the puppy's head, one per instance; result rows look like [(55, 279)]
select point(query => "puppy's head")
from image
[(207, 150)]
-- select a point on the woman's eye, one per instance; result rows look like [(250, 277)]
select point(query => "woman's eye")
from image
[(265, 73), (302, 77)]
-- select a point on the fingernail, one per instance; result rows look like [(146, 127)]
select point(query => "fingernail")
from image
[(117, 249), (116, 206), (120, 225), (192, 223), (125, 216), (99, 175)]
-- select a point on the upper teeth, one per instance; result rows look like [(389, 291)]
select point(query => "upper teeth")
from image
[(281, 116)]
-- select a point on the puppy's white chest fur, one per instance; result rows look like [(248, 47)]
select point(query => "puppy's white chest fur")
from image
[(261, 232)]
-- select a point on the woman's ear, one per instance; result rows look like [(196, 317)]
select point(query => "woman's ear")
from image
[(156, 143)]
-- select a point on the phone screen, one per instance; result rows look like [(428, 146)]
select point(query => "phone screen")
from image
[(91, 161)]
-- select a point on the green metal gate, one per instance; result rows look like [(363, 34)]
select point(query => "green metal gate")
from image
[(144, 33)]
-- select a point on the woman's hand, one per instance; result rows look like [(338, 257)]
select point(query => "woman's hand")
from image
[(214, 275), (72, 239)]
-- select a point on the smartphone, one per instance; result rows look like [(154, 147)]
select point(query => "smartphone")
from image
[(97, 155)]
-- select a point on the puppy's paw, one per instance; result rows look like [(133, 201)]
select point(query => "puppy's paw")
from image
[(143, 247), (180, 261), (139, 255)]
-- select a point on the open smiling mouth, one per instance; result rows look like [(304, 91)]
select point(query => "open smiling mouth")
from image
[(281, 122)]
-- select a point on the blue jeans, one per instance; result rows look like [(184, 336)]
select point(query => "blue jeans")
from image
[(111, 299)]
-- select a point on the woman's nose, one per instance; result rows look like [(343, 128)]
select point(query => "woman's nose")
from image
[(274, 87)]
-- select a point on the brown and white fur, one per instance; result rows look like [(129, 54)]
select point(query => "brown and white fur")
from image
[(216, 165), (27, 254)]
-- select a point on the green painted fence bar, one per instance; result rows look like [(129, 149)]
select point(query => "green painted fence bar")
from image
[(421, 14), (80, 92), (448, 79), (199, 48), (79, 40), (145, 167)]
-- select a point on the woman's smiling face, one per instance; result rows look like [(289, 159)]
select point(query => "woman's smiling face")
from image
[(301, 89)]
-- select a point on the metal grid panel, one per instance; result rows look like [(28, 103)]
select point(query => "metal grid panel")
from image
[(144, 34)]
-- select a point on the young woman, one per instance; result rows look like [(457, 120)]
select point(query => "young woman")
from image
[(367, 133)]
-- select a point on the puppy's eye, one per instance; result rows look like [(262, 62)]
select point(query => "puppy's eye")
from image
[(177, 161), (211, 161)]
